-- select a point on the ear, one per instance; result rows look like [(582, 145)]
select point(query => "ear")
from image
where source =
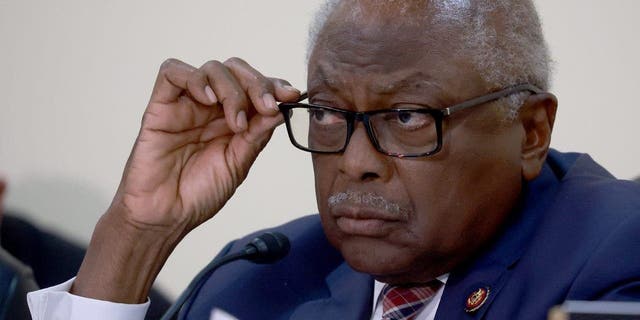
[(537, 116)]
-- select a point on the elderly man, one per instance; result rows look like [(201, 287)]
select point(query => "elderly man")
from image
[(429, 124)]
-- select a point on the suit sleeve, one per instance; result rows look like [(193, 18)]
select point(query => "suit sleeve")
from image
[(613, 272)]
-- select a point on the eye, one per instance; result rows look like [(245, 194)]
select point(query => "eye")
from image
[(324, 117), (405, 117), (409, 120), (317, 115)]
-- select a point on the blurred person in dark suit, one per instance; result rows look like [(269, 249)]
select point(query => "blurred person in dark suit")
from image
[(16, 278), (32, 257)]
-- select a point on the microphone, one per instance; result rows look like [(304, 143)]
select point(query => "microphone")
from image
[(266, 248)]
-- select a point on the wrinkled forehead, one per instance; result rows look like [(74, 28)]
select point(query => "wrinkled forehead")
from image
[(373, 44), (363, 43)]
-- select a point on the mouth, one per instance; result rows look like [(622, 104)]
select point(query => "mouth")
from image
[(364, 222)]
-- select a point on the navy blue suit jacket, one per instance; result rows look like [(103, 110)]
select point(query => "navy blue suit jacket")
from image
[(575, 236)]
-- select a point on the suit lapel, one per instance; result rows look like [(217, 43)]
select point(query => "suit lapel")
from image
[(491, 269), (461, 287), (351, 297)]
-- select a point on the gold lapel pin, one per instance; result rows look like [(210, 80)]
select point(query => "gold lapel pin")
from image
[(476, 299)]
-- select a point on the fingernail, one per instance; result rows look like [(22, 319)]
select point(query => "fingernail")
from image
[(241, 120), (210, 94), (290, 88), (269, 101)]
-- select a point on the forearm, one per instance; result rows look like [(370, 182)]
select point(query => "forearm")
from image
[(123, 260), (195, 147)]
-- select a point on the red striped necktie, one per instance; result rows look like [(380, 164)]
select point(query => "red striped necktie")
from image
[(404, 303)]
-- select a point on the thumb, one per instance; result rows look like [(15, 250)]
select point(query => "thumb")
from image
[(284, 91)]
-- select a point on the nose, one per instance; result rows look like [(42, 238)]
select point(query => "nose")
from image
[(361, 160)]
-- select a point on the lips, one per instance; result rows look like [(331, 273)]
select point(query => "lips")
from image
[(361, 221)]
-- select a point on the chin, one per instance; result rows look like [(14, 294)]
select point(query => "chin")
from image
[(375, 256), (389, 263)]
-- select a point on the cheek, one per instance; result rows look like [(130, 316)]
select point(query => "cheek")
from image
[(457, 210), (325, 174), (322, 174), (468, 191), (425, 182)]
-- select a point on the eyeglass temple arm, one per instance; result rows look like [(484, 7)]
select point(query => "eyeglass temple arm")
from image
[(303, 96), (490, 97)]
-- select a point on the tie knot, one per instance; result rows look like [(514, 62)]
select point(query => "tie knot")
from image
[(404, 303)]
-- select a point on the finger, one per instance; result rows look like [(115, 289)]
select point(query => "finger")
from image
[(261, 126), (215, 128), (229, 93), (199, 88), (252, 141), (171, 81), (285, 92), (260, 90)]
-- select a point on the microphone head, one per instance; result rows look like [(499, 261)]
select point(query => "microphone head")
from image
[(268, 247)]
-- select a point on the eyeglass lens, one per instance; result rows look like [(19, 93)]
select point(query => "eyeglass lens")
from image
[(403, 132)]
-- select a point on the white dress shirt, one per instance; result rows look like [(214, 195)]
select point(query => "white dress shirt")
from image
[(56, 303)]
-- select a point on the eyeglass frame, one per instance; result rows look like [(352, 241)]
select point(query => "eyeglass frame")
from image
[(438, 115)]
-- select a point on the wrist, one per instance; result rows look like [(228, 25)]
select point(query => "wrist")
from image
[(124, 258)]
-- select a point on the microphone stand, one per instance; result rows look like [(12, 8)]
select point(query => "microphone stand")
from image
[(267, 248), (197, 282)]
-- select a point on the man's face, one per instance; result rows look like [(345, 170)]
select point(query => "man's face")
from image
[(410, 220)]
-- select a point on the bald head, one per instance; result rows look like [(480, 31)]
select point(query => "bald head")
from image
[(501, 39)]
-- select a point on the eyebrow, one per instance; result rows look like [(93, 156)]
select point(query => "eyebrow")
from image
[(323, 80)]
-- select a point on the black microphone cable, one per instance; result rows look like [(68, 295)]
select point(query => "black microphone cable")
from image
[(266, 248)]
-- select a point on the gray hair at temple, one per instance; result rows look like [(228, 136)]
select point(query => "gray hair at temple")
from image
[(505, 52)]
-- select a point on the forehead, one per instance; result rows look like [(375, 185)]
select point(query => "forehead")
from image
[(387, 59), (370, 41)]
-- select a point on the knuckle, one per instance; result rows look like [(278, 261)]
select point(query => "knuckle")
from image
[(258, 80), (280, 82), (263, 87), (169, 63), (211, 65), (233, 61), (198, 74), (237, 94), (236, 97), (258, 83)]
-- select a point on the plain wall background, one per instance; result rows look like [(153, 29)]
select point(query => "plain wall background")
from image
[(75, 77)]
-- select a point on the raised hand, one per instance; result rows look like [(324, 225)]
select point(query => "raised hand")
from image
[(200, 134)]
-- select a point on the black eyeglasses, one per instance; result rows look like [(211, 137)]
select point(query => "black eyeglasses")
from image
[(400, 133)]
